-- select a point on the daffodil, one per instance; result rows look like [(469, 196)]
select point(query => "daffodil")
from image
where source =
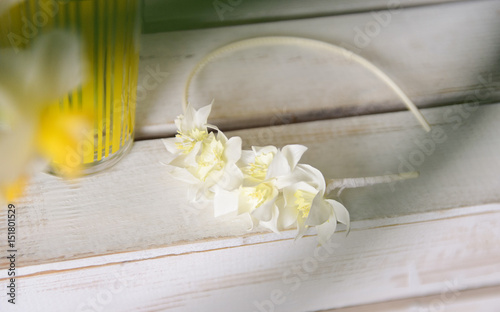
[(256, 195), (269, 162), (30, 82), (192, 129), (205, 160), (306, 206), (255, 163), (266, 183), (265, 171)]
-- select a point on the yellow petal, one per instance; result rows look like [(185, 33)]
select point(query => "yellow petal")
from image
[(60, 139), (14, 190)]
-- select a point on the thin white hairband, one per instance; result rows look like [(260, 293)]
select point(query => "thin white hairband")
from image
[(246, 43)]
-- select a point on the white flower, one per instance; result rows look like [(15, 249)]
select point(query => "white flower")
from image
[(259, 202), (265, 183), (265, 171), (305, 205), (255, 163), (191, 130), (202, 159), (264, 163)]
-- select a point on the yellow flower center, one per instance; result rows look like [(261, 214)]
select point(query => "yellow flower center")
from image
[(210, 159), (188, 141), (259, 194), (304, 200), (258, 169)]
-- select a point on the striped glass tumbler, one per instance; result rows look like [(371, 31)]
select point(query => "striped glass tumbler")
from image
[(109, 30)]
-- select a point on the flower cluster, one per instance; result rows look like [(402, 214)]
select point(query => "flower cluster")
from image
[(267, 183)]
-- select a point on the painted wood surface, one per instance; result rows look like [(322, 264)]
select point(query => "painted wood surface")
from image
[(168, 15), (132, 207), (128, 240), (426, 254), (483, 299), (437, 54)]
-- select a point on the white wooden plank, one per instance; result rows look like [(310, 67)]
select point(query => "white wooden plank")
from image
[(232, 242), (388, 261), (137, 206), (161, 15), (484, 299), (437, 54)]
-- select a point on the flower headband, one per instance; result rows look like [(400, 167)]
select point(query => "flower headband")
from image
[(268, 184)]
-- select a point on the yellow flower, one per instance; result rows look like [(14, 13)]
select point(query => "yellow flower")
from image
[(30, 81), (60, 136), (13, 190)]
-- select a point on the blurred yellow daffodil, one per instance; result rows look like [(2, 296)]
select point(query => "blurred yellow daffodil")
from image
[(31, 123)]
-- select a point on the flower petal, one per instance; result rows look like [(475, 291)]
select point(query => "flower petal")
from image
[(273, 223), (296, 176), (9, 112), (265, 211), (225, 201), (293, 154), (231, 177), (183, 175), (245, 204), (320, 211), (170, 145), (246, 158), (315, 177), (197, 193), (201, 116), (301, 229), (60, 136), (190, 158), (326, 230), (292, 189), (58, 53), (254, 222), (341, 213), (232, 151), (287, 215), (264, 150), (278, 167), (12, 191), (185, 122)]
